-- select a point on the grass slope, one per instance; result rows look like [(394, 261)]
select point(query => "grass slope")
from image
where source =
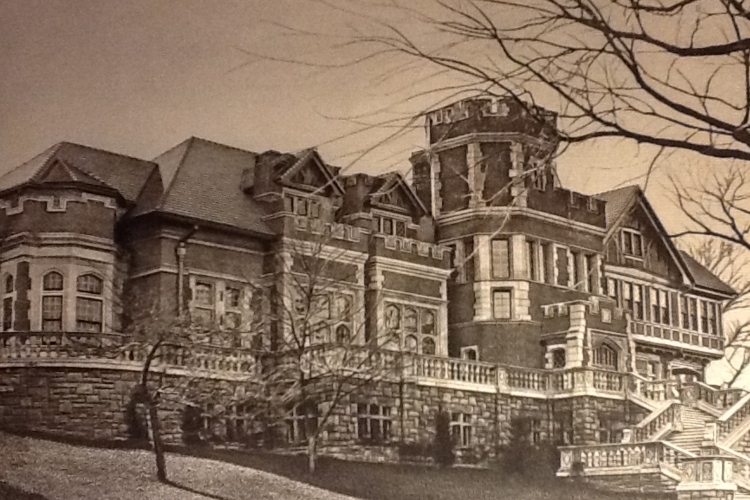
[(62, 471)]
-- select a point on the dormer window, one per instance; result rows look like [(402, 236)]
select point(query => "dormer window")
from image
[(632, 243), (303, 206), (389, 226)]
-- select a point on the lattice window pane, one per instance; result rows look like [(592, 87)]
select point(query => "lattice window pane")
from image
[(89, 283), (501, 304), (500, 259), (52, 310), (52, 281), (204, 294)]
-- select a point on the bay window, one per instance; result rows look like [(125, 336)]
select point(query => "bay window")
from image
[(89, 303)]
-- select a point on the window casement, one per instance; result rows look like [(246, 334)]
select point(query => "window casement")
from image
[(532, 260), (8, 296), (89, 303), (660, 306), (52, 302), (300, 421), (561, 263), (545, 269), (389, 226), (373, 423), (237, 422), (204, 302), (500, 249), (470, 353), (416, 327), (704, 316), (632, 243), (714, 325), (637, 302), (606, 356), (558, 358), (461, 429), (502, 304), (232, 308), (540, 179), (536, 430), (627, 296), (612, 291), (693, 314), (302, 205), (591, 273)]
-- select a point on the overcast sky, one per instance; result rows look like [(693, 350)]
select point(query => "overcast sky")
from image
[(139, 76)]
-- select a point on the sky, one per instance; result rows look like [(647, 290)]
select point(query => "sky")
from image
[(139, 76)]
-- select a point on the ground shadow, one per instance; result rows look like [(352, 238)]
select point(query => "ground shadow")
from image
[(9, 492), (195, 491)]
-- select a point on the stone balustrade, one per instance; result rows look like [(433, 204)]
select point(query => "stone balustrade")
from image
[(671, 414), (457, 370), (38, 347), (734, 416), (579, 459)]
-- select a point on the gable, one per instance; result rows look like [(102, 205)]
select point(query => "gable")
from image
[(638, 240), (396, 195), (310, 173)]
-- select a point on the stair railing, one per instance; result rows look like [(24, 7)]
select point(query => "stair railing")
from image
[(734, 417), (668, 415)]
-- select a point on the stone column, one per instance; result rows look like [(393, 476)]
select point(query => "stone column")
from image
[(576, 337)]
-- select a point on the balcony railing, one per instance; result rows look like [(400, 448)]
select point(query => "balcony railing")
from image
[(113, 348), (612, 456), (676, 334)]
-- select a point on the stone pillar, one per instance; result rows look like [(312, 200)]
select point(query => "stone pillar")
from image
[(707, 477), (585, 421), (576, 337), (518, 259)]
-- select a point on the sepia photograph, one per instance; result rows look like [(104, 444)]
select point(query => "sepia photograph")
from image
[(374, 249)]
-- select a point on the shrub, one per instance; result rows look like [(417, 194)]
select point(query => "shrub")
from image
[(443, 447)]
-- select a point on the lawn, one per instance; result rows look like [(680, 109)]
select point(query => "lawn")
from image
[(60, 471)]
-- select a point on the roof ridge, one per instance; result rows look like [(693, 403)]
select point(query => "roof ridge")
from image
[(196, 138), (106, 151), (167, 189)]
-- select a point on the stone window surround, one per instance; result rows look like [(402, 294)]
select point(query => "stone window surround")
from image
[(219, 307), (374, 416), (70, 273), (511, 310), (461, 429), (467, 350), (9, 298), (437, 337)]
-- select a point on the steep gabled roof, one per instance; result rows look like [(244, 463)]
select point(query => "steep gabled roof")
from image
[(705, 278), (619, 203), (285, 167), (203, 179), (84, 165), (387, 182)]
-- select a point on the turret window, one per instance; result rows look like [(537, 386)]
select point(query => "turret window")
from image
[(89, 303), (500, 259), (605, 356), (8, 303), (52, 302)]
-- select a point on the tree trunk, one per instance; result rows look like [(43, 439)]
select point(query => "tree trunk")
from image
[(161, 466), (311, 454)]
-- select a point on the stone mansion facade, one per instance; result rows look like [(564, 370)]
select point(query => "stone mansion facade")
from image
[(524, 306)]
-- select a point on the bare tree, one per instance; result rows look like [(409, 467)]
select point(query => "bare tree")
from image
[(674, 74), (729, 261), (162, 341), (318, 352)]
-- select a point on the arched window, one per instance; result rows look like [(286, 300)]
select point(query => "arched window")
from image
[(343, 334), (428, 346), (606, 356), (89, 283), (392, 317), (428, 323), (410, 319), (52, 281), (89, 303), (410, 343), (343, 308), (52, 302)]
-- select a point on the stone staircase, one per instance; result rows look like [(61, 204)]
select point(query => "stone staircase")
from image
[(686, 444), (690, 437)]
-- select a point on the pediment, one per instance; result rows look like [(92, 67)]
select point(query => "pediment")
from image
[(310, 173), (395, 194)]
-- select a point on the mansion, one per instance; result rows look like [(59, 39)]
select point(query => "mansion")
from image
[(523, 306)]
